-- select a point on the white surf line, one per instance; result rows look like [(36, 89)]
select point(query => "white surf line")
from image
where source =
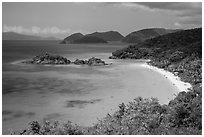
[(18, 61), (175, 80)]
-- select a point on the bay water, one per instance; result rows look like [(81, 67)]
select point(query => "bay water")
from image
[(78, 93)]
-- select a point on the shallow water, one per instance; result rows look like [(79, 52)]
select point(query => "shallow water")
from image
[(81, 94)]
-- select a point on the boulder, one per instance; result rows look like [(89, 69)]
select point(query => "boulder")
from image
[(91, 62), (79, 62), (96, 62)]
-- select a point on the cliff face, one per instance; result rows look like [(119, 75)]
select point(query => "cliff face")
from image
[(144, 34)]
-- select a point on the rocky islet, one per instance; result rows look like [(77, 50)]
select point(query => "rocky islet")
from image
[(52, 59)]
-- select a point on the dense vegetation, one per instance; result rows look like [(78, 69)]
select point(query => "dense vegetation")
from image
[(180, 53)]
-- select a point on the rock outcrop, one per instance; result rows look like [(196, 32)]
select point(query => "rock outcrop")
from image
[(91, 62), (48, 58), (96, 62), (80, 62)]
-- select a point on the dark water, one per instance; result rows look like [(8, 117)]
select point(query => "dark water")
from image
[(77, 93)]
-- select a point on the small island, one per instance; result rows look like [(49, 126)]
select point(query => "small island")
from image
[(48, 58), (96, 37), (53, 59)]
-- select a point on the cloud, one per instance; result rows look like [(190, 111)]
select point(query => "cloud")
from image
[(177, 24), (171, 5), (196, 21), (47, 31), (179, 8), (183, 8), (18, 29), (186, 12), (128, 5), (36, 30)]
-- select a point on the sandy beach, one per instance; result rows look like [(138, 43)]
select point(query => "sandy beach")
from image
[(175, 80)]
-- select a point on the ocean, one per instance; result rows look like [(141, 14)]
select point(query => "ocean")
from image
[(80, 94)]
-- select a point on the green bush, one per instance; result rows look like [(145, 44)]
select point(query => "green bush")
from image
[(51, 128)]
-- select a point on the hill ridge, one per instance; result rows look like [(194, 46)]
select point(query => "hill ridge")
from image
[(148, 33), (18, 36)]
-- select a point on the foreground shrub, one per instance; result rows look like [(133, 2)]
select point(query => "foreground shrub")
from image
[(148, 117), (51, 128)]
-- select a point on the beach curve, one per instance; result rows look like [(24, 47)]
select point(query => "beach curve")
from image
[(175, 80)]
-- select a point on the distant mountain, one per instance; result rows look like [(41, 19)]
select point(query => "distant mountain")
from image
[(144, 34), (134, 37), (89, 39), (108, 36), (17, 36), (72, 38), (94, 37)]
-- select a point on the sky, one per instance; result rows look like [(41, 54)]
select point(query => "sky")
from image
[(65, 18)]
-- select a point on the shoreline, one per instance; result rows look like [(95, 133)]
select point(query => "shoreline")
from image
[(175, 80)]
